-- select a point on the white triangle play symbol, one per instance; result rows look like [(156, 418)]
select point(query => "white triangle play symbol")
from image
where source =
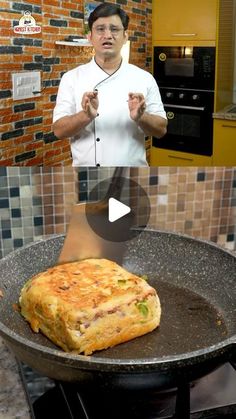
[(116, 210)]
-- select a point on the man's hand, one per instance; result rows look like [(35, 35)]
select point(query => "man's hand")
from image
[(151, 124), (137, 106), (90, 104), (71, 125)]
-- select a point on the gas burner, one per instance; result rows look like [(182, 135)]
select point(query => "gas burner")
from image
[(211, 397)]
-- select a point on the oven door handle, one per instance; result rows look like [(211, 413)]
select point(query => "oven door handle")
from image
[(184, 34), (192, 108)]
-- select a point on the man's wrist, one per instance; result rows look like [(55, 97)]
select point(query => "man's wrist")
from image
[(90, 117), (140, 119)]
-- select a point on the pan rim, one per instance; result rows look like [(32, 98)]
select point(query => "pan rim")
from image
[(97, 361), (167, 232), (117, 363)]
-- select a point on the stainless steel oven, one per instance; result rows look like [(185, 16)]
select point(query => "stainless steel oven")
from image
[(186, 76)]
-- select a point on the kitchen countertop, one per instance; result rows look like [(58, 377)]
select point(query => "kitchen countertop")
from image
[(229, 113), (13, 403)]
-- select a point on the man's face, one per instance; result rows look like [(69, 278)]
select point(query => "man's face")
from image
[(108, 36)]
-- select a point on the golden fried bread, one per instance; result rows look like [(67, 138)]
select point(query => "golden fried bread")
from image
[(89, 305)]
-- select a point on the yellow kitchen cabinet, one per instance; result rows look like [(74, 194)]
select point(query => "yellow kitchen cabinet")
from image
[(224, 143), (164, 157), (176, 20), (148, 143)]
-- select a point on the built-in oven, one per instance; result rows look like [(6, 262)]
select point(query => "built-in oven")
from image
[(190, 124), (185, 67), (186, 77)]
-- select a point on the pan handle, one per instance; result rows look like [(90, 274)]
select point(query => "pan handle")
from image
[(233, 364), (233, 355), (116, 185)]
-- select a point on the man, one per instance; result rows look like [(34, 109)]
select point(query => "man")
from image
[(106, 106)]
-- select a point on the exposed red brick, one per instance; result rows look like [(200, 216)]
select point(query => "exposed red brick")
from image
[(11, 152), (4, 112), (11, 67), (5, 32), (36, 161), (52, 153), (24, 139), (5, 144), (5, 128), (7, 162), (39, 145), (9, 118), (27, 58), (55, 3), (50, 29)]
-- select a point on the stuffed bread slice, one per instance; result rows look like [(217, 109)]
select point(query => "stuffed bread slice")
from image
[(89, 305)]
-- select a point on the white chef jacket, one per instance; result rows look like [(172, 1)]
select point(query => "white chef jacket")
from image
[(113, 138)]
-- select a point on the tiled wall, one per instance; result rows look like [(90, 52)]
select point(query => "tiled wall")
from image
[(200, 202), (35, 202), (26, 137)]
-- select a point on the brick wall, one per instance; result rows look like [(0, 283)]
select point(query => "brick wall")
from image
[(26, 136), (21, 121)]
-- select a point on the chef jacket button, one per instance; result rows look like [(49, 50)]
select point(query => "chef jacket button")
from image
[(97, 139), (97, 164)]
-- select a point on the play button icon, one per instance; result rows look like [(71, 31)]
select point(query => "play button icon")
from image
[(116, 210)]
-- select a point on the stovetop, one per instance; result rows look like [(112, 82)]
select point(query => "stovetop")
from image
[(211, 397)]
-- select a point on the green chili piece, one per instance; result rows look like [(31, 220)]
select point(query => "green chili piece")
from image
[(143, 308)]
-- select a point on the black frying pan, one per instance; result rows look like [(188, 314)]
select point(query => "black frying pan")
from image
[(196, 282)]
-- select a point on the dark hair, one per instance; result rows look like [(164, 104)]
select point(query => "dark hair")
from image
[(108, 9)]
